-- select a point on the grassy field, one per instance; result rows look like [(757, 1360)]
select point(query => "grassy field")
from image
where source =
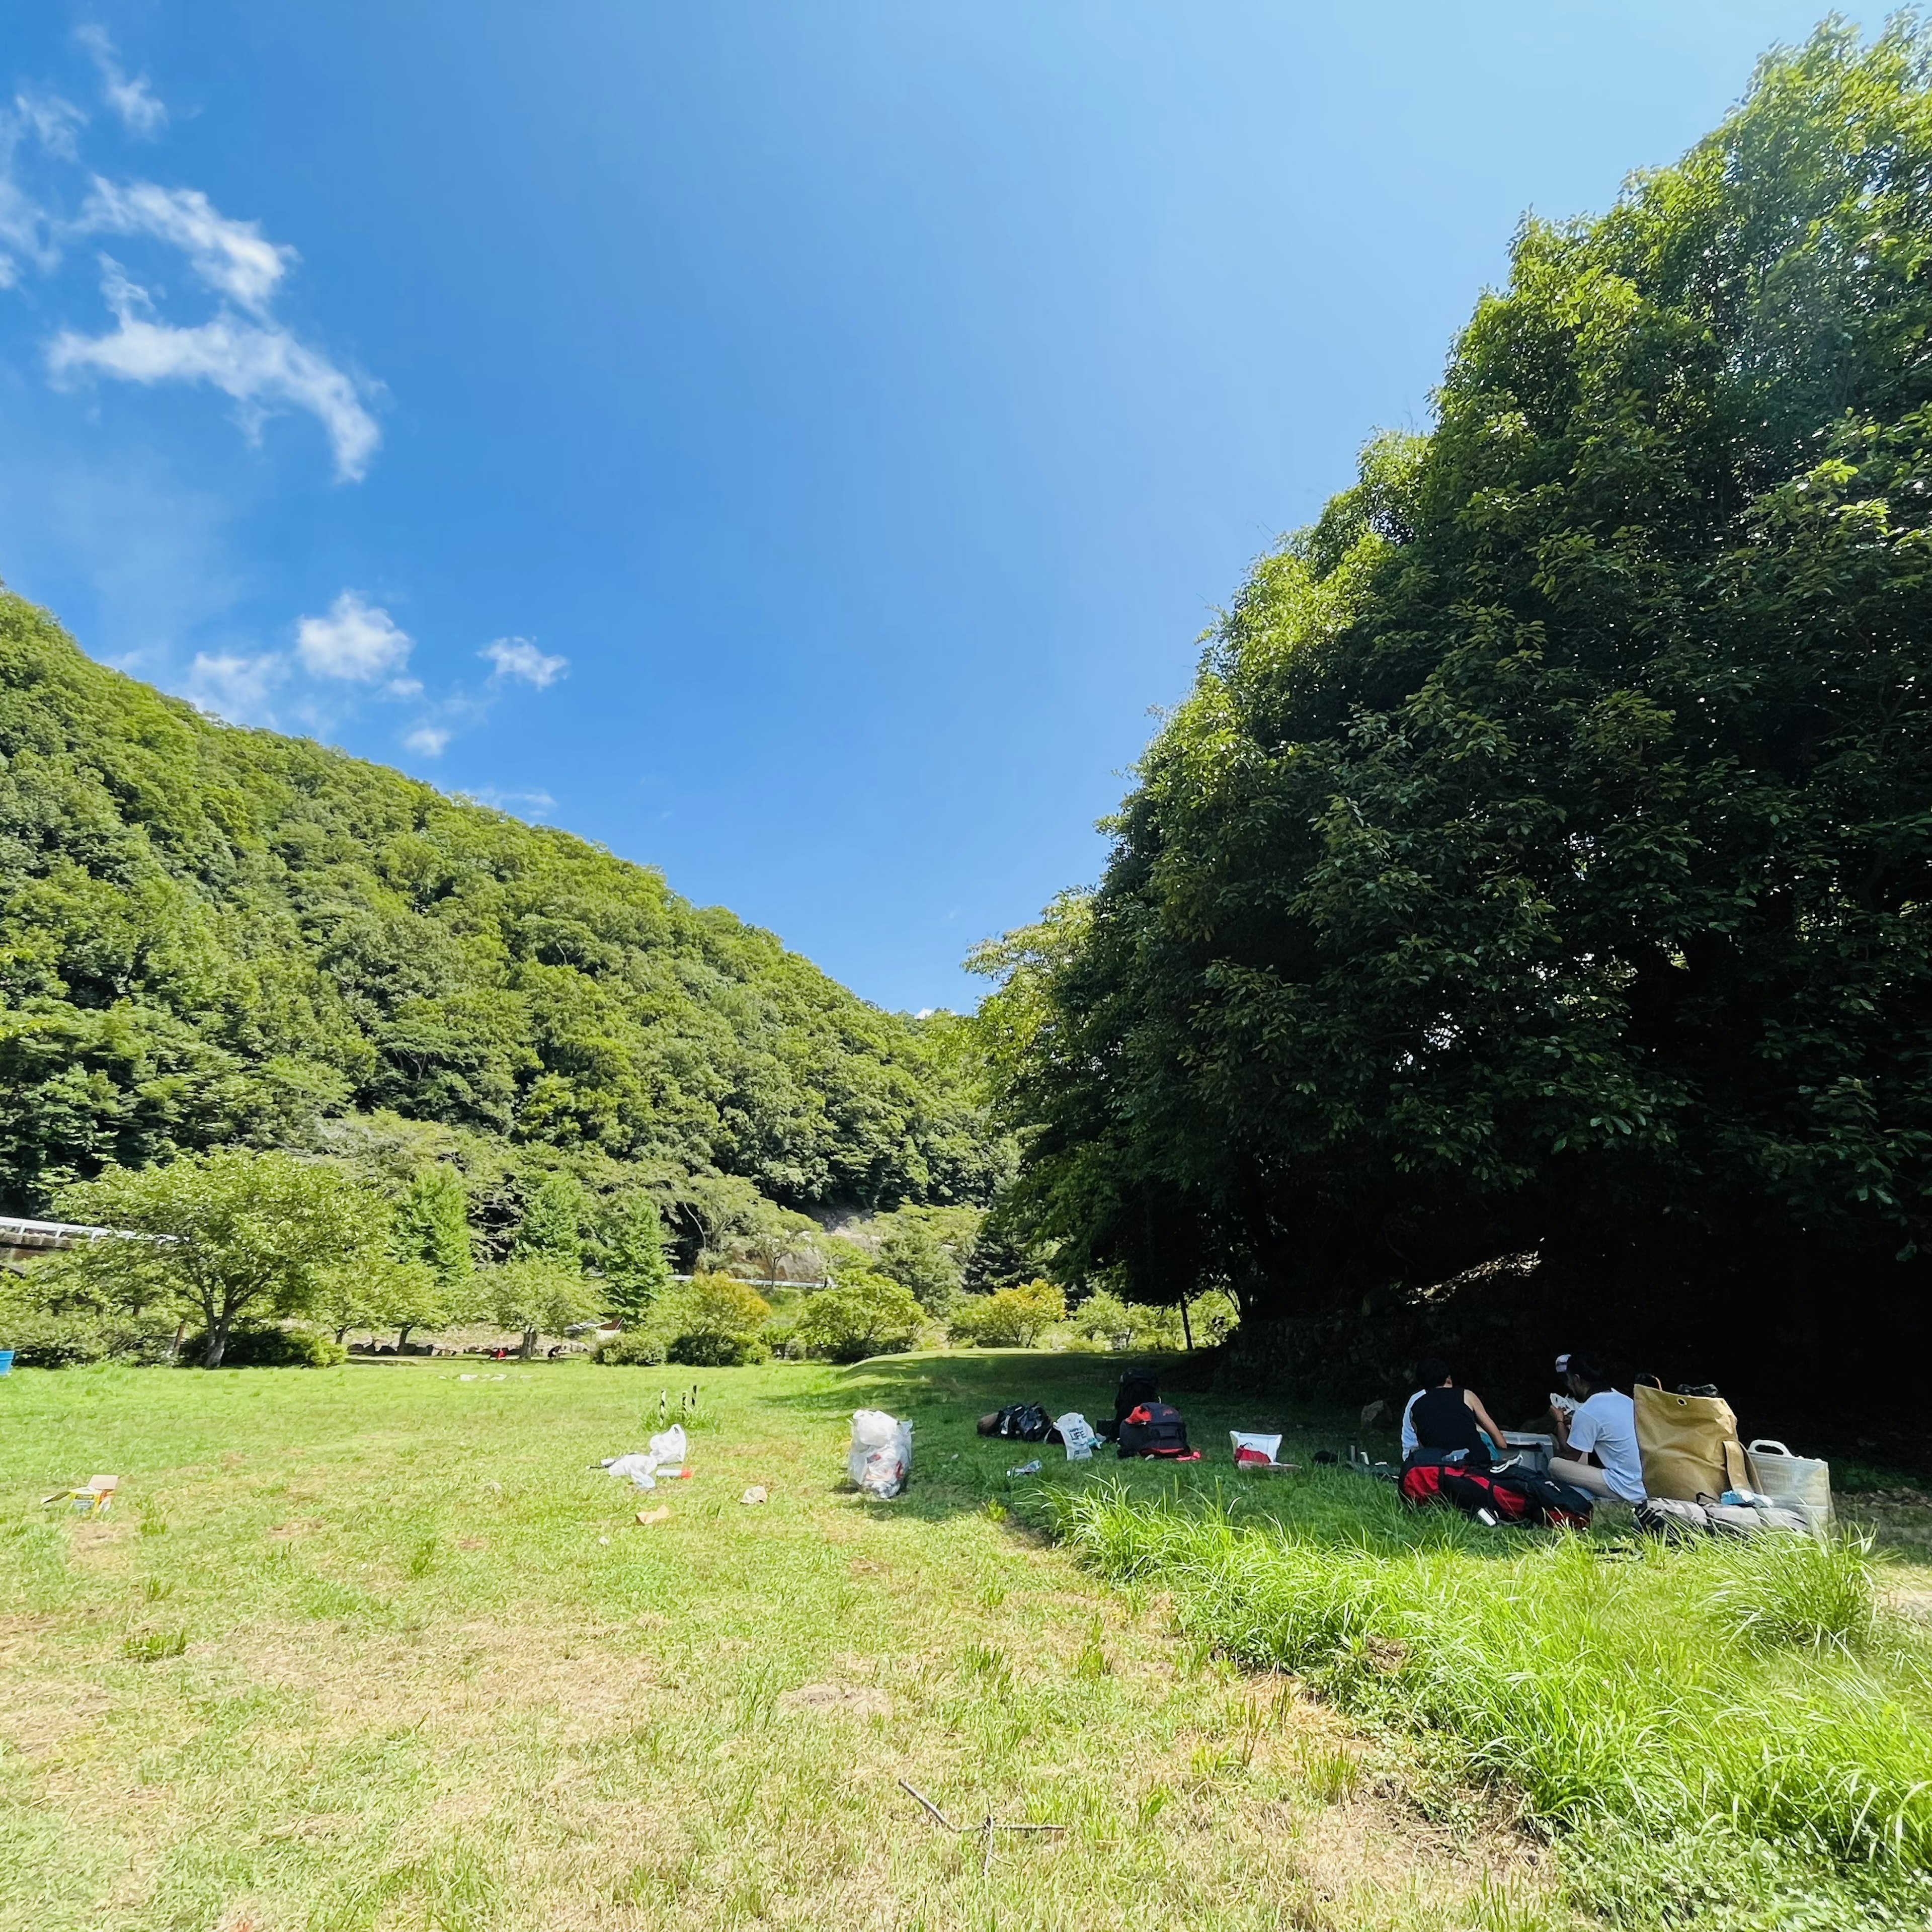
[(375, 1647)]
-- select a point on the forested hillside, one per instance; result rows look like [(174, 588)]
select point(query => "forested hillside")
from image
[(209, 934), (1542, 864)]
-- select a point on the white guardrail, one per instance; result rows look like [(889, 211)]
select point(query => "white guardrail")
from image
[(15, 1233)]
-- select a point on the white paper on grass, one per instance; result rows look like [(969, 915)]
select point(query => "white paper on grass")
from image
[(880, 1457)]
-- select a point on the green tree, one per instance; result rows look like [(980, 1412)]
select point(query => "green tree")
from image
[(635, 1264), (864, 1315), (716, 1321), (432, 1224), (537, 1296), (552, 1226), (1539, 863), (1010, 1317), (226, 1234)]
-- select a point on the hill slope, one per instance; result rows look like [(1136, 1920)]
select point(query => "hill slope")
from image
[(208, 933)]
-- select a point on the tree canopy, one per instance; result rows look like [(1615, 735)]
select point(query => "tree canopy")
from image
[(1543, 859), (210, 934)]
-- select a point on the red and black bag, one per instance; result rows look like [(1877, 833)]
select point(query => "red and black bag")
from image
[(1514, 1496), (1155, 1429)]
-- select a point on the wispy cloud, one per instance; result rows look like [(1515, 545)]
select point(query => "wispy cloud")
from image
[(428, 741), (140, 112), (358, 642), (28, 232), (235, 686), (521, 804), (518, 658), (260, 366), (234, 258)]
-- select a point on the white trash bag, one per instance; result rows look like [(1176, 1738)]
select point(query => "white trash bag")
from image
[(880, 1458), (671, 1449), (1077, 1433)]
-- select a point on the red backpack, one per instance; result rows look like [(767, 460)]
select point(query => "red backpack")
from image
[(1156, 1429), (1515, 1496)]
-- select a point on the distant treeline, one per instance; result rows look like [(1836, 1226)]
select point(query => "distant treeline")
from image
[(1541, 866)]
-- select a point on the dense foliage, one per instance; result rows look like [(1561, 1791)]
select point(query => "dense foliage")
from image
[(1543, 858), (209, 934)]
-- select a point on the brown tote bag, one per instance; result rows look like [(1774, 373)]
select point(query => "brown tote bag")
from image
[(1689, 1444)]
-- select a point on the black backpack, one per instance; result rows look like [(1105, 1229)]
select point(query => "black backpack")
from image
[(1154, 1429), (1023, 1422)]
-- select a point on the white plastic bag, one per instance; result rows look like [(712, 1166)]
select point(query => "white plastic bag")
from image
[(1268, 1447), (642, 1470), (1078, 1434), (670, 1449), (880, 1457), (1794, 1482)]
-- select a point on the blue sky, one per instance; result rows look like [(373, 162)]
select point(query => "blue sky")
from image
[(794, 445)]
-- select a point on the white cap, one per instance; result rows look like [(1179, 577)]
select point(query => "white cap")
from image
[(1563, 1365)]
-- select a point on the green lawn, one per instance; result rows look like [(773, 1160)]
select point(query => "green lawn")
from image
[(376, 1647)]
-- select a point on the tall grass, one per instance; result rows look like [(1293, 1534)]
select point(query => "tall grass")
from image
[(1727, 1731)]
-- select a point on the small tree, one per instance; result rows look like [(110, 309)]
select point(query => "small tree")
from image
[(553, 1223), (1010, 1318), (432, 1224), (634, 1262), (225, 1233), (533, 1295), (410, 1294), (718, 1322), (864, 1315), (913, 1255), (342, 1299)]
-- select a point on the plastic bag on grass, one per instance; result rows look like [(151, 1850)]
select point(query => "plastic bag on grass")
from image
[(1077, 1433), (671, 1448), (880, 1458)]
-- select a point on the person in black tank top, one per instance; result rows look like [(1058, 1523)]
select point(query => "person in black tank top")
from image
[(1444, 1417)]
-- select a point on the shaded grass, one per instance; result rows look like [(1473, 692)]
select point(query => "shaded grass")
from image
[(1727, 1732)]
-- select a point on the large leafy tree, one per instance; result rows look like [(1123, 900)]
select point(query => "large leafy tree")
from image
[(228, 1234), (1543, 857)]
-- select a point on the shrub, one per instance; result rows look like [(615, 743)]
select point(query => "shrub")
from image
[(1010, 1318), (642, 1348), (266, 1347), (714, 1322), (865, 1314)]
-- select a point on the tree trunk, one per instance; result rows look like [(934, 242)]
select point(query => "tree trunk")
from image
[(342, 1331), (403, 1335), (217, 1342), (530, 1343), (174, 1347), (1186, 1333)]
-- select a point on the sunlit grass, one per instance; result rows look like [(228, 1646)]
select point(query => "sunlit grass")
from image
[(372, 1647)]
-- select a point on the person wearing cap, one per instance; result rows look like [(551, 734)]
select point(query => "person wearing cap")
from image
[(1597, 1440)]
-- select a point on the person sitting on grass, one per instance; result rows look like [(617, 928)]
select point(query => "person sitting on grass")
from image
[(1598, 1442), (1442, 1416)]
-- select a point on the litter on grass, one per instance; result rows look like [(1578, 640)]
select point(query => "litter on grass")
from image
[(95, 1497), (1026, 1468), (880, 1459), (661, 1514), (755, 1494), (985, 1829), (666, 1460), (1077, 1433)]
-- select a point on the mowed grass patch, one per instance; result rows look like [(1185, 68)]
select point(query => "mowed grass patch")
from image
[(375, 1647)]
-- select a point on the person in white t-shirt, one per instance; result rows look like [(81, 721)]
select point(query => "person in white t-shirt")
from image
[(1599, 1442)]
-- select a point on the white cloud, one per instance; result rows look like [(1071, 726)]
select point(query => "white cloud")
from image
[(52, 121), (428, 740), (522, 804), (27, 232), (139, 111), (235, 258), (357, 641), (234, 687), (260, 366), (518, 657)]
